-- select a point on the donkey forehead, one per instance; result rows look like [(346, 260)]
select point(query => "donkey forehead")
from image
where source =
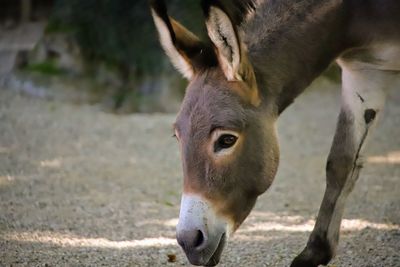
[(210, 104)]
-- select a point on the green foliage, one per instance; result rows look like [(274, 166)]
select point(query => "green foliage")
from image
[(57, 26), (46, 67), (121, 32)]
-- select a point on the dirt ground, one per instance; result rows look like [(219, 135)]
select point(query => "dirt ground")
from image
[(81, 187)]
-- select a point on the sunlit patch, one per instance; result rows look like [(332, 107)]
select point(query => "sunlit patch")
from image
[(169, 223), (6, 180), (54, 163), (133, 160), (390, 158), (307, 226), (5, 150), (254, 238), (275, 226), (356, 224), (66, 240)]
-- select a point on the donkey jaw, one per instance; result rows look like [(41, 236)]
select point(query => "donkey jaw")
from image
[(201, 233)]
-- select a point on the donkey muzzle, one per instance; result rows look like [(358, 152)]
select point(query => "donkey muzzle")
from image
[(200, 232)]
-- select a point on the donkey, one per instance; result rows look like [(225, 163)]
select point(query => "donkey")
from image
[(258, 57)]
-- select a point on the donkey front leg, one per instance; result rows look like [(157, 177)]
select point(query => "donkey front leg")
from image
[(363, 97)]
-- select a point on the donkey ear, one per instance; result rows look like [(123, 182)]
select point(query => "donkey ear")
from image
[(231, 52), (179, 44), (225, 38)]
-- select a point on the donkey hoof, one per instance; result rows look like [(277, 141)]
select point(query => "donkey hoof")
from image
[(301, 261), (311, 258)]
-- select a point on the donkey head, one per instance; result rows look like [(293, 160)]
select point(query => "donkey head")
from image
[(226, 134)]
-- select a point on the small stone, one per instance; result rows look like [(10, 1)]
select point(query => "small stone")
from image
[(369, 115), (171, 257)]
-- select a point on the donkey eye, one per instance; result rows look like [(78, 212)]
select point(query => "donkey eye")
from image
[(225, 141)]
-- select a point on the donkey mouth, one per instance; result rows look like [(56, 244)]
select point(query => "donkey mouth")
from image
[(209, 256), (214, 260)]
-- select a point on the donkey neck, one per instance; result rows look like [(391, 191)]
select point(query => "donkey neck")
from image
[(291, 42)]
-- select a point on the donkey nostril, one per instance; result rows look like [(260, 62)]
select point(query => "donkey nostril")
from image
[(199, 239), (191, 239)]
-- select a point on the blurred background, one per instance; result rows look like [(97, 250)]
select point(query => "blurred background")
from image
[(103, 51)]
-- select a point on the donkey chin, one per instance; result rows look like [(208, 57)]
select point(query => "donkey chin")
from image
[(201, 233)]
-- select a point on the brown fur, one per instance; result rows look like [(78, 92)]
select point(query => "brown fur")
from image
[(284, 46), (210, 103)]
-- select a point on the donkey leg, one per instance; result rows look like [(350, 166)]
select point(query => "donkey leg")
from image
[(363, 98)]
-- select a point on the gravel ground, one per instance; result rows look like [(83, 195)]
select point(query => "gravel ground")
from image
[(80, 187)]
